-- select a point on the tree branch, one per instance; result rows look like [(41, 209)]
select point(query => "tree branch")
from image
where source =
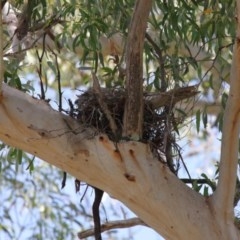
[(154, 193), (22, 37), (171, 97), (113, 225), (133, 114), (223, 197)]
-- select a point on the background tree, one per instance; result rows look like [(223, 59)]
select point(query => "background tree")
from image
[(152, 59)]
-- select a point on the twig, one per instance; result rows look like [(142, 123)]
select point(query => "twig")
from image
[(199, 181), (170, 98), (64, 179), (113, 225), (85, 191), (103, 105), (59, 82), (185, 167), (40, 58), (48, 24)]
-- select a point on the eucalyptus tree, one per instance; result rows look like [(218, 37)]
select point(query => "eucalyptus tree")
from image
[(146, 67)]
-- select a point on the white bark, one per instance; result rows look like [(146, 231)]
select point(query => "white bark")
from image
[(223, 197), (130, 174)]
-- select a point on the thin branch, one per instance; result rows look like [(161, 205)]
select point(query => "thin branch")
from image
[(223, 197), (185, 167), (40, 58), (133, 114), (23, 36), (113, 225), (97, 89), (64, 179), (171, 97), (199, 181), (59, 82)]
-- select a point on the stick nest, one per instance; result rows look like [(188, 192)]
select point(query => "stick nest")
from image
[(159, 125)]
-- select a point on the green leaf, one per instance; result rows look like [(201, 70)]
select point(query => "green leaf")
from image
[(198, 117), (197, 187), (19, 154), (224, 100), (204, 119), (205, 191)]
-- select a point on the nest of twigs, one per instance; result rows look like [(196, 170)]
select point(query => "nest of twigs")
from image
[(159, 125)]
